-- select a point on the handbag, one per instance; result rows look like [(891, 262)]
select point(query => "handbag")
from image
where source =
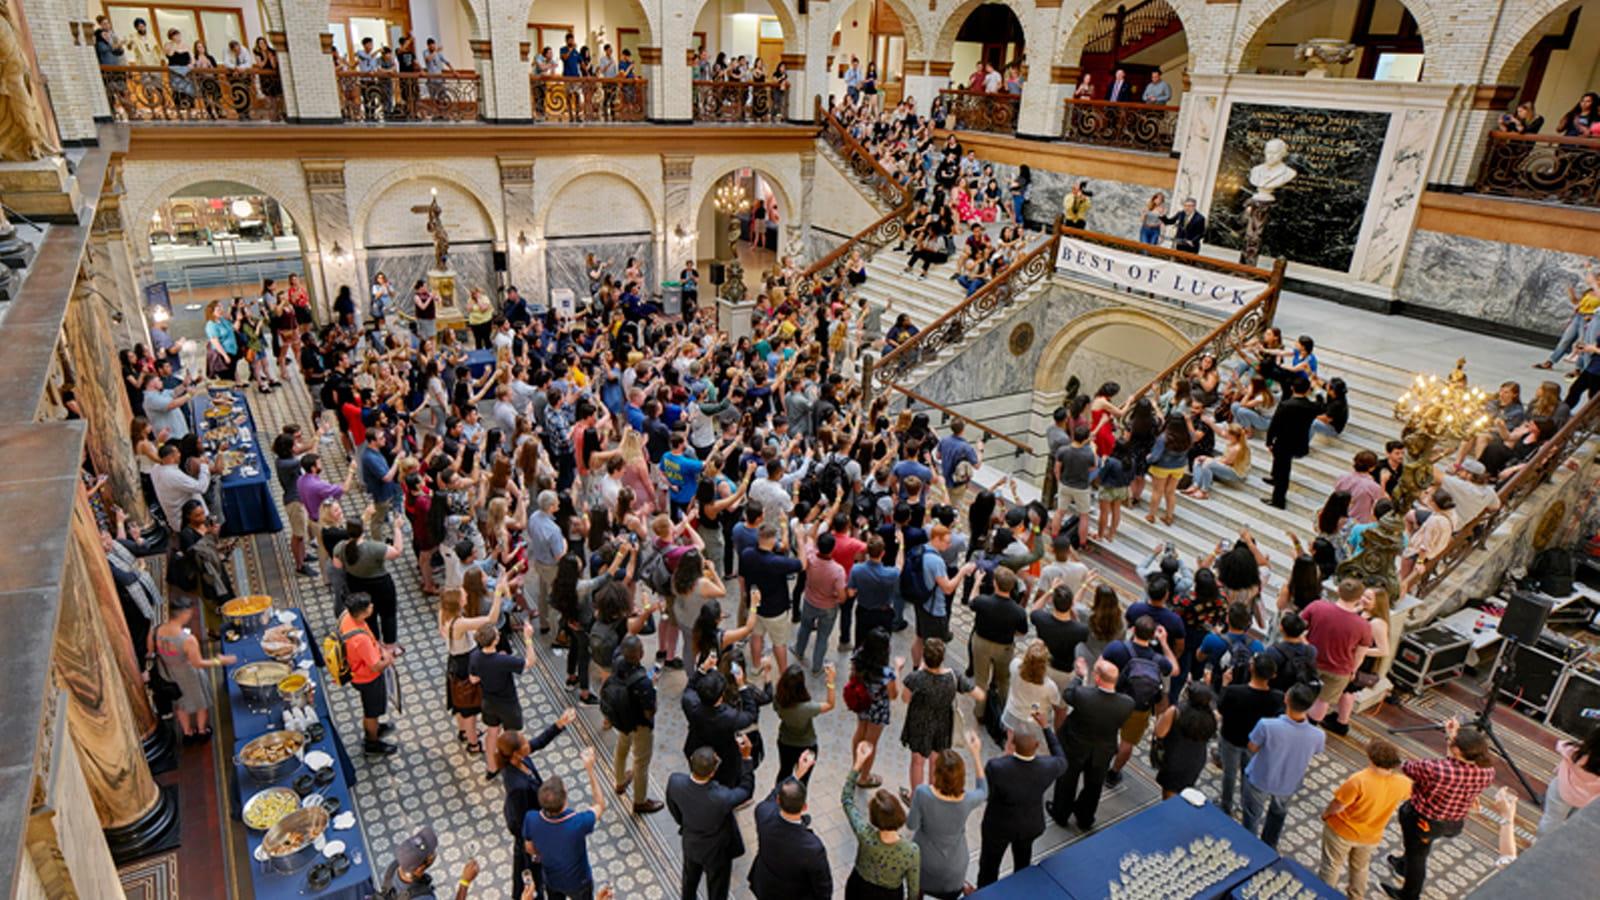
[(1158, 752), (162, 688), (463, 693), (1363, 680)]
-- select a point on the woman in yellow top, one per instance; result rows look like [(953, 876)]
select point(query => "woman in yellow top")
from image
[(1075, 208), (1581, 327), (480, 318)]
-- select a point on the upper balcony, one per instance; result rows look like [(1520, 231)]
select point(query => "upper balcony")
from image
[(1545, 168)]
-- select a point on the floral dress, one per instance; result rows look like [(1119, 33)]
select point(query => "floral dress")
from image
[(930, 716)]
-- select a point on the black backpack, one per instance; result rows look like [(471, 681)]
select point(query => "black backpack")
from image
[(1551, 571), (616, 699), (912, 586), (1235, 659), (834, 480), (1296, 665), (604, 638), (1141, 679)]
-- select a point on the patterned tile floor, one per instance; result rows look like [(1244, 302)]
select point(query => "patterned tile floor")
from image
[(432, 780)]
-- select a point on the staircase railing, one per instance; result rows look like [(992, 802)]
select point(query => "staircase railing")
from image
[(886, 230), (1017, 447), (954, 326), (1556, 451), (1122, 27), (862, 163)]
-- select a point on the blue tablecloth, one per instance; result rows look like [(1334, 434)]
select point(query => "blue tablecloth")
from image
[(1086, 869), (356, 883), (479, 362), (247, 504), (1307, 878)]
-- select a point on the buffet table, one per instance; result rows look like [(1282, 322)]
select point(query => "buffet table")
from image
[(248, 724), (247, 504), (1088, 868)]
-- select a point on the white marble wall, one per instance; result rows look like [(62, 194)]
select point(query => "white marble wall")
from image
[(1503, 284), (1115, 209), (564, 260), (1393, 206), (404, 266)]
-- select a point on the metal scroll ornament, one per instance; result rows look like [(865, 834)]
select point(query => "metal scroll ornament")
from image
[(1549, 169), (976, 111), (1131, 126)]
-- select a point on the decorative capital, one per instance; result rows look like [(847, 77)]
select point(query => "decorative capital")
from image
[(940, 69), (914, 67), (676, 167), (808, 165), (1065, 74), (278, 40), (523, 49), (649, 56), (323, 174), (1494, 96), (480, 49), (793, 60), (1047, 4), (516, 172), (108, 218), (689, 57), (327, 42)]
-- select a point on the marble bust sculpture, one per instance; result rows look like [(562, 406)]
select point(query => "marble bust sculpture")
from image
[(1273, 172)]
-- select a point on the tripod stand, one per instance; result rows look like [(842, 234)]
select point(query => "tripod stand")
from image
[(1505, 670)]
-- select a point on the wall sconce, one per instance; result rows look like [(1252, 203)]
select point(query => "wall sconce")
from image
[(340, 255), (522, 242), (683, 234)]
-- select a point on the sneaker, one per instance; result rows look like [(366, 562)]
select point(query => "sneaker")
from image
[(308, 570), (385, 729), (648, 807), (1397, 863), (588, 699), (675, 664), (1391, 890), (378, 748), (1113, 778), (1334, 726)]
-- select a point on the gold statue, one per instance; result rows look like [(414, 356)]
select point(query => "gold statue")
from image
[(1416, 473), (1380, 548), (441, 238), (24, 137)]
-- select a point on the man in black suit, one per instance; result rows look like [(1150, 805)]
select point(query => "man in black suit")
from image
[(713, 723), (1089, 738), (1119, 90), (1289, 436), (1014, 817), (791, 863), (1191, 227), (703, 810)]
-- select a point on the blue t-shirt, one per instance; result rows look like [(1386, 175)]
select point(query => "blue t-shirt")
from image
[(1284, 751), (952, 450), (373, 468), (933, 569), (1216, 646), (906, 468), (563, 848), (571, 64), (683, 475), (1163, 616), (636, 419), (876, 585)]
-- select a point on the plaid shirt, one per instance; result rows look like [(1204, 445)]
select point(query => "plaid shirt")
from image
[(1445, 789)]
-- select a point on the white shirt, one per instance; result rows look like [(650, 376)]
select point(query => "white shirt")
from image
[(1471, 499), (174, 487), (774, 500), (991, 83)]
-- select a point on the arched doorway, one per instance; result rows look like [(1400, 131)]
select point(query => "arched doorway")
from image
[(737, 61), (1552, 56), (604, 214), (1141, 40), (985, 45), (624, 27), (883, 33), (1375, 40), (744, 216), (220, 240)]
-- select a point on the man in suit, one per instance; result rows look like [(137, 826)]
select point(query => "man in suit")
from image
[(522, 782), (1014, 817), (1120, 90), (703, 810), (1289, 436), (713, 723), (1191, 227), (791, 862), (1089, 738)]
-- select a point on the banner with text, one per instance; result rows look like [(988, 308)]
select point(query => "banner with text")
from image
[(1154, 275)]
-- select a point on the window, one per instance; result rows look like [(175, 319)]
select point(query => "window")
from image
[(545, 34), (1398, 67), (214, 25)]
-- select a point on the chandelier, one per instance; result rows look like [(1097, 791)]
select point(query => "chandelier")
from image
[(1444, 409), (730, 199)]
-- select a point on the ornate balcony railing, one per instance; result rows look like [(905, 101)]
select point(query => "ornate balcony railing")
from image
[(739, 101), (956, 325), (1578, 429), (588, 99), (1538, 167), (979, 111), (1130, 126), (863, 165), (163, 94), (409, 96)]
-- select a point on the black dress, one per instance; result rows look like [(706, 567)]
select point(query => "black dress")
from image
[(930, 716), (1185, 761)]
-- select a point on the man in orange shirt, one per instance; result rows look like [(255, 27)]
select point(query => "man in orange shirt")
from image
[(367, 660), (1354, 820)]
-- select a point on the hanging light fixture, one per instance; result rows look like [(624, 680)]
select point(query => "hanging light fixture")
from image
[(242, 208), (730, 198)]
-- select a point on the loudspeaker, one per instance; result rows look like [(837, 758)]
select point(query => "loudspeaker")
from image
[(1538, 673), (1580, 693), (1525, 616), (499, 260), (719, 273)]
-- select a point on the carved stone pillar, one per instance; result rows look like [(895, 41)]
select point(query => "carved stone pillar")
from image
[(808, 175), (97, 381), (310, 88), (505, 46), (516, 195), (798, 106), (331, 244), (137, 815), (672, 93), (921, 88), (489, 92), (649, 65), (682, 216), (63, 840)]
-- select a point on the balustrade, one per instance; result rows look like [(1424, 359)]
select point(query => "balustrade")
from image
[(588, 99), (409, 96), (739, 101), (1540, 167), (189, 94), (1129, 126), (980, 111)]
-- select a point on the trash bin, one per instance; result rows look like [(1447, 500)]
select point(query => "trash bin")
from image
[(672, 298)]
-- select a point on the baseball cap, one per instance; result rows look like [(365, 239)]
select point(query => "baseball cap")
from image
[(415, 851), (1473, 467)]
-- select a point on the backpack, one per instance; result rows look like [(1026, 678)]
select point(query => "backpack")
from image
[(1551, 571), (961, 475), (653, 571), (834, 480), (616, 700), (1141, 680), (1297, 665), (857, 698), (912, 588), (336, 658), (604, 638), (1235, 659)]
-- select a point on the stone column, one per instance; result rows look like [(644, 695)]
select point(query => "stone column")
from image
[(516, 197), (808, 176), (649, 66), (488, 91), (509, 48), (800, 109), (63, 840), (921, 88), (98, 384), (682, 215), (58, 48), (108, 250), (1467, 127), (1039, 113), (672, 93), (310, 88), (137, 816), (330, 239), (938, 78)]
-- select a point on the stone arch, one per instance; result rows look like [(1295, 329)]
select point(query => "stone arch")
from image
[(413, 171), (648, 36), (1078, 24), (1255, 26), (706, 181), (1048, 379), (477, 15), (1509, 52), (595, 166), (909, 20), (944, 42), (291, 196), (794, 38)]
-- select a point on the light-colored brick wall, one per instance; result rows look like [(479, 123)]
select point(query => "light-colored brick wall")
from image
[(61, 55)]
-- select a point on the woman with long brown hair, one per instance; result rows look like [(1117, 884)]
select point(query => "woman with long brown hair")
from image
[(463, 697)]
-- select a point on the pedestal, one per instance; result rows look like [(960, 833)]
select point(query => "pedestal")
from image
[(734, 318), (155, 831), (1256, 213), (448, 306), (43, 190)]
